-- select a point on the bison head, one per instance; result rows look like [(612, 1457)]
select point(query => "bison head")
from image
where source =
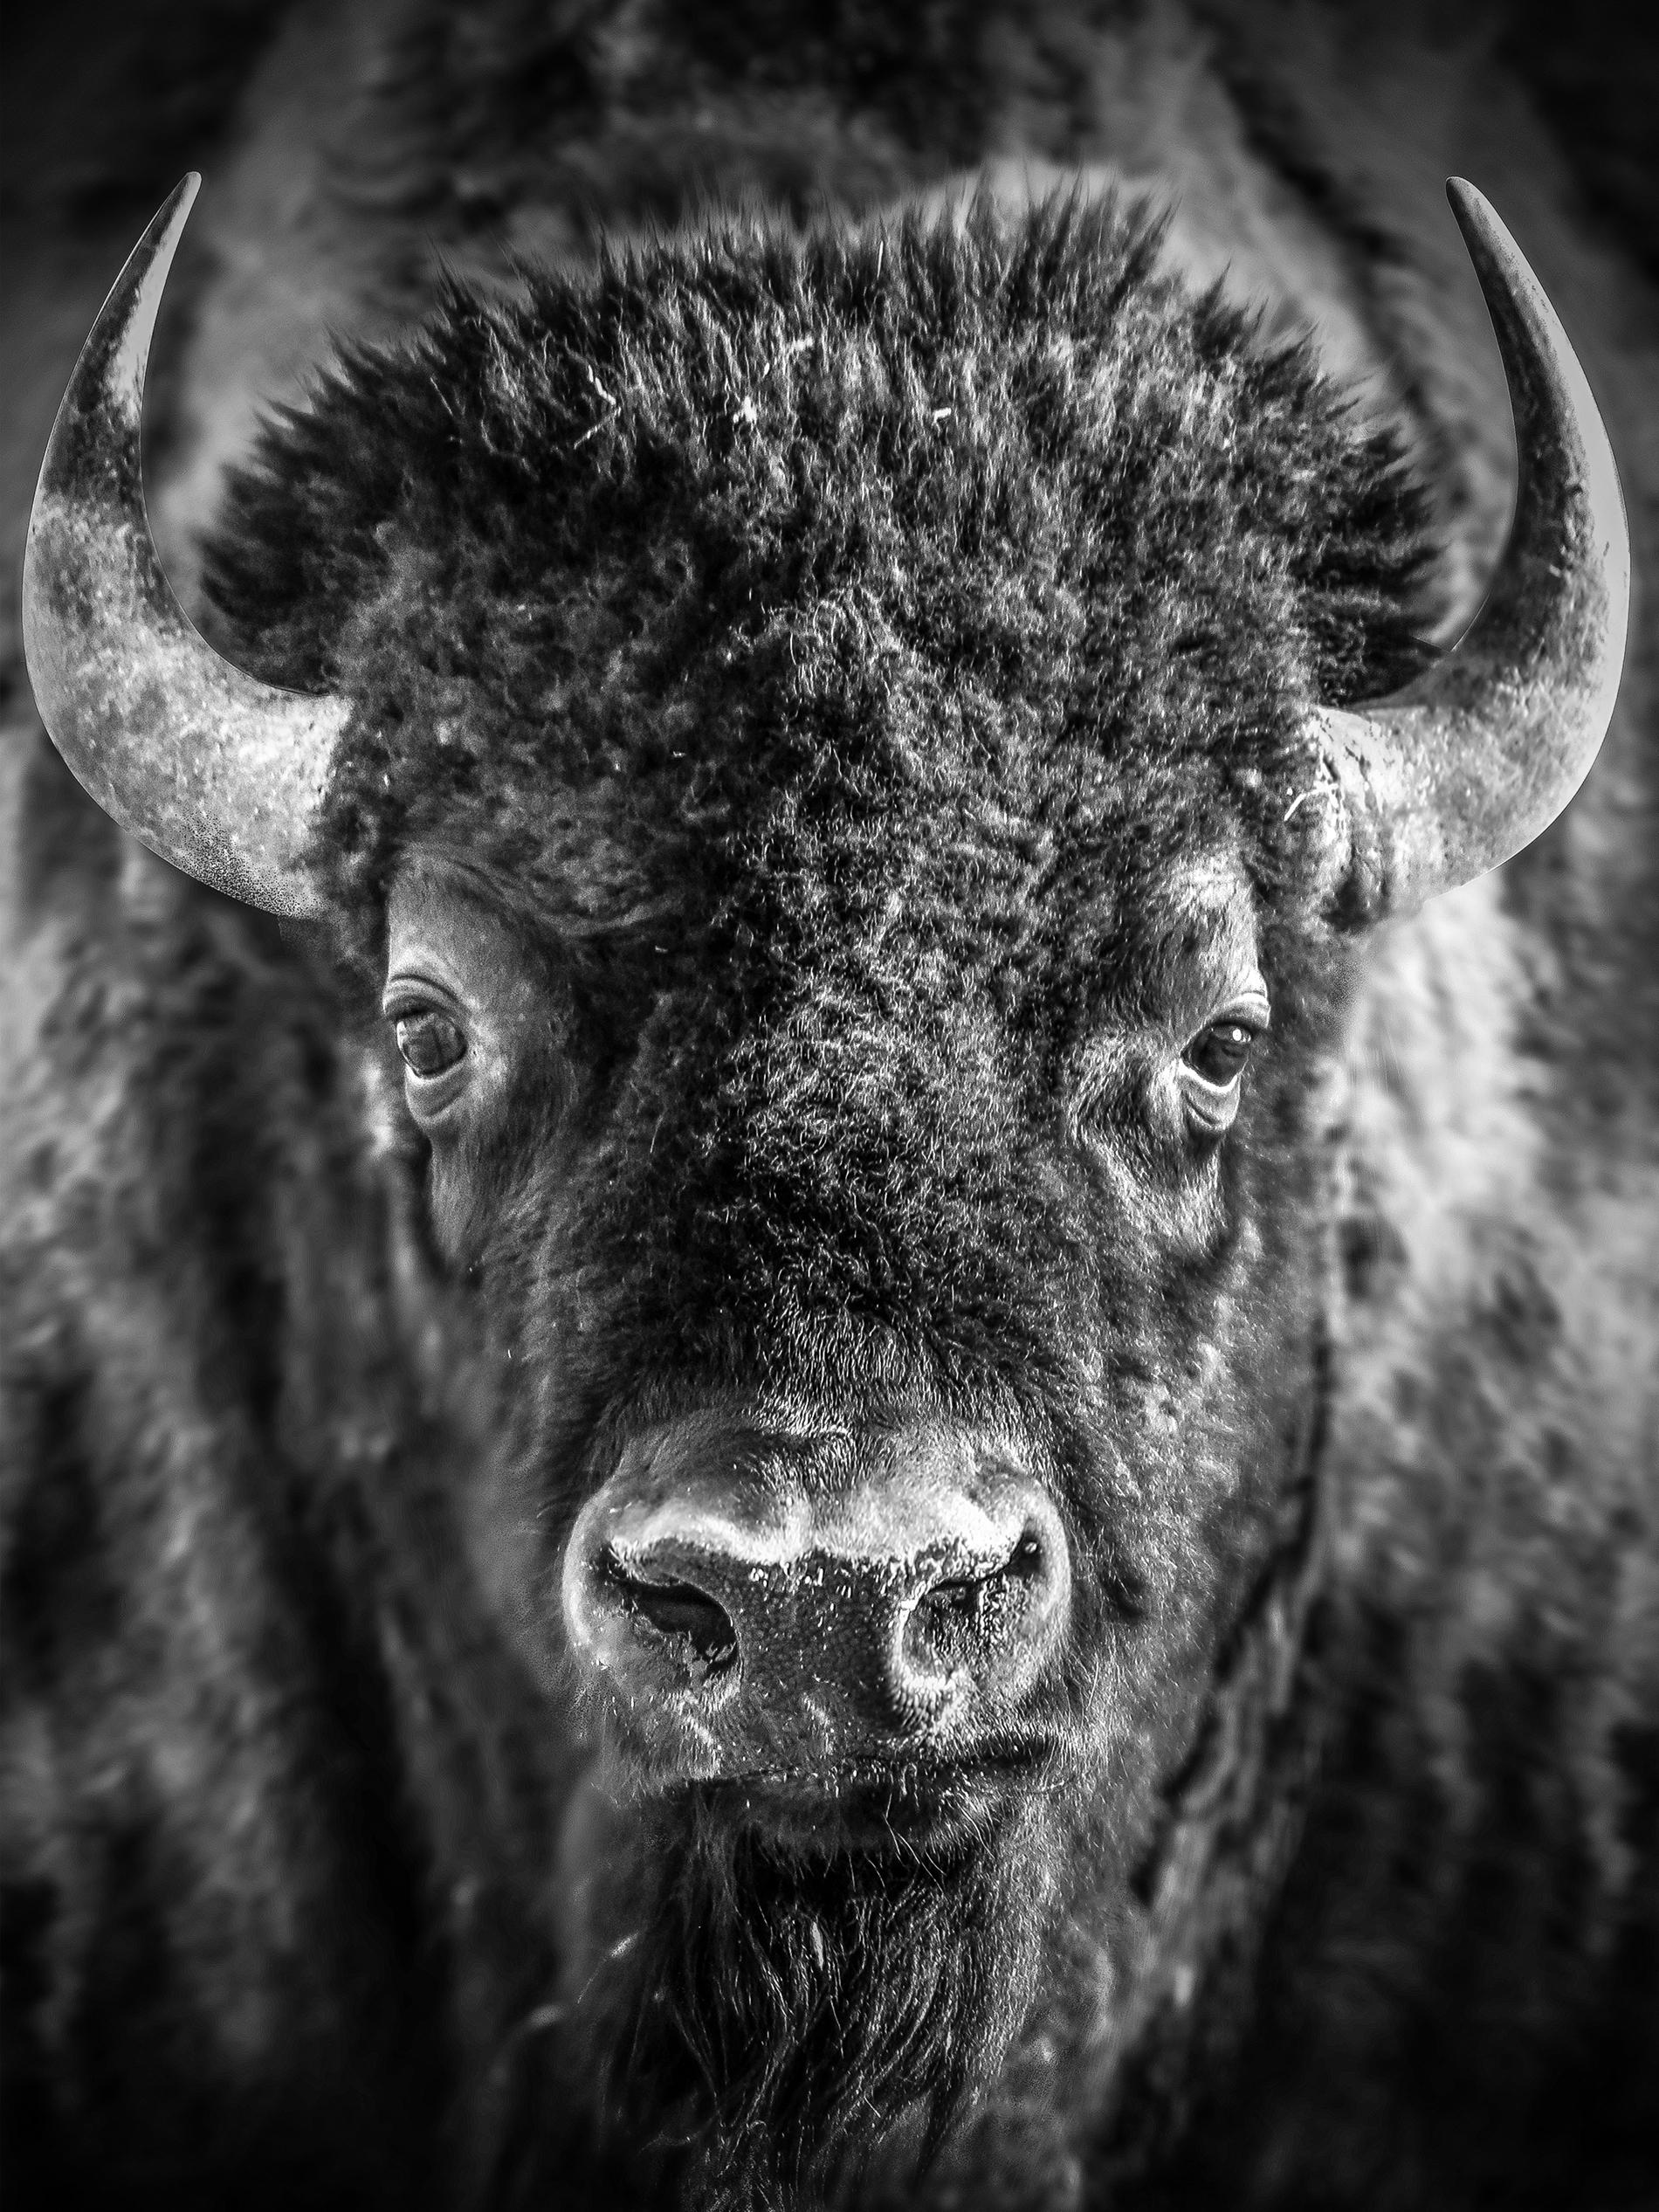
[(842, 755)]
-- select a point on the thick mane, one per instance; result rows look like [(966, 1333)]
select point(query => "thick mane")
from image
[(763, 486)]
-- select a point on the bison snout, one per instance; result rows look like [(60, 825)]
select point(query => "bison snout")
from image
[(754, 1604)]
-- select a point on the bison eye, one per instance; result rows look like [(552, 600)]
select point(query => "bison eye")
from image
[(429, 1041), (1219, 1052)]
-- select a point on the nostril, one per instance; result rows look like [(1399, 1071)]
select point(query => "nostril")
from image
[(970, 1618), (678, 1612), (1029, 1560)]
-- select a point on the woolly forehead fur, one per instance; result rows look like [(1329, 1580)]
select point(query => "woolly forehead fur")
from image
[(895, 584), (839, 649)]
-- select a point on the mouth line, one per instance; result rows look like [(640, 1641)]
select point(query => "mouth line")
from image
[(1034, 1764)]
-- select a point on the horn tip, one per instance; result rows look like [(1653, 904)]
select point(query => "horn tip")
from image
[(1484, 230), (171, 215), (1469, 205)]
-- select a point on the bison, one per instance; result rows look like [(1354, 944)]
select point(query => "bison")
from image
[(867, 1415)]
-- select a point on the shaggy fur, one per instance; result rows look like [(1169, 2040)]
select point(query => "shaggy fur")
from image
[(839, 653), (788, 2027), (769, 493)]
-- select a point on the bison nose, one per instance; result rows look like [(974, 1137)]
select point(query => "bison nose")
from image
[(752, 1603)]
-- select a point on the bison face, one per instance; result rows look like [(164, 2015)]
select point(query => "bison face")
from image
[(910, 1393), (841, 746)]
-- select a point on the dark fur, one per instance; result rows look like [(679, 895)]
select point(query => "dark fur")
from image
[(838, 758), (786, 2026), (769, 489), (907, 610)]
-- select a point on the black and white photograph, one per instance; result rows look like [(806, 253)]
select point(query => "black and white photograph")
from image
[(829, 1108)]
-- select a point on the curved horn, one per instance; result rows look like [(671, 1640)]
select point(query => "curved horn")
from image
[(216, 771), (1469, 762)]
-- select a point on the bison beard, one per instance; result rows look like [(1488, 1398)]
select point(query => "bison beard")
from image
[(787, 2020)]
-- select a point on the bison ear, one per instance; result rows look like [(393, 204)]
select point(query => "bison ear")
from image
[(1469, 762), (218, 773)]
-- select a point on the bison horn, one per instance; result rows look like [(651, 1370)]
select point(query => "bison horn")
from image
[(221, 774), (218, 773), (1468, 763)]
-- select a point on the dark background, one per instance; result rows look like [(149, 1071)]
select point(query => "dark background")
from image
[(103, 101), (106, 100)]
